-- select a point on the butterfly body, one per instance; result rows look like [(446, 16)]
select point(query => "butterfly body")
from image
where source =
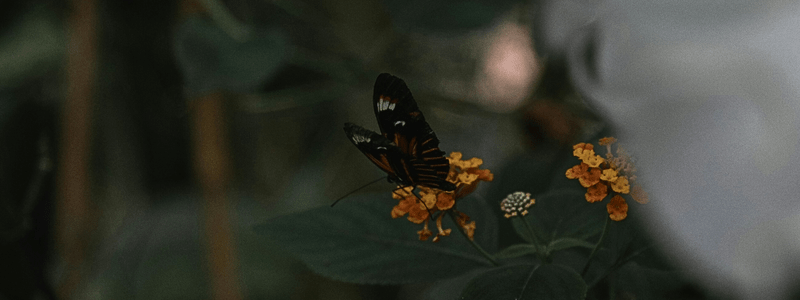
[(407, 149)]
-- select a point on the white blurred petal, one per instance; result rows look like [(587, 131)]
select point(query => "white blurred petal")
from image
[(706, 94)]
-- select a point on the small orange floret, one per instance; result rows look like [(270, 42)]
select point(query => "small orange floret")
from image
[(417, 214), (621, 185), (596, 192), (425, 233), (454, 158), (483, 174), (585, 152), (442, 232), (403, 193), (428, 196), (582, 153), (609, 175), (639, 195), (582, 146), (469, 227), (471, 163), (445, 201), (467, 178), (592, 160), (590, 178), (617, 208), (607, 141), (577, 171), (403, 206)]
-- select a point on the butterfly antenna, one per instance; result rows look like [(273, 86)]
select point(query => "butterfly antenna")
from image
[(356, 190)]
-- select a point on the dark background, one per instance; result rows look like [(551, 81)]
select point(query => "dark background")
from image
[(140, 141)]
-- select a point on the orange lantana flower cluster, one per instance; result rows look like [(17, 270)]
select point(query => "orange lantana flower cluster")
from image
[(465, 174), (597, 174)]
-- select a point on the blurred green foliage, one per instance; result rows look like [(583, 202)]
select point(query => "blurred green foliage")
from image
[(445, 16), (527, 282), (32, 47), (548, 258), (357, 241), (213, 60), (295, 70)]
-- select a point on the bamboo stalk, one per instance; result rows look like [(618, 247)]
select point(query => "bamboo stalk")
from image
[(212, 166), (72, 206)]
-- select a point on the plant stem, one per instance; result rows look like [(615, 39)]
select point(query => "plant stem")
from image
[(597, 246), (472, 242), (534, 240), (620, 263)]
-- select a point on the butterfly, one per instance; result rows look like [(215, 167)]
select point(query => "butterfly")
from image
[(406, 149)]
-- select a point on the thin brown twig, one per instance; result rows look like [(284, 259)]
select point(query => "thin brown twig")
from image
[(212, 166), (72, 207)]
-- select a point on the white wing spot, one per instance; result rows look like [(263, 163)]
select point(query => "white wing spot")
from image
[(385, 104), (358, 139), (400, 123)]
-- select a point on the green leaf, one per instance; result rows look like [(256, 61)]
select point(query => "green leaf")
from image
[(546, 281), (563, 214), (516, 251), (212, 60), (564, 243), (634, 280), (450, 288), (358, 241), (539, 236)]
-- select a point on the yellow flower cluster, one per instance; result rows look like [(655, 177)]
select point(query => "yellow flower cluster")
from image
[(465, 174), (596, 174)]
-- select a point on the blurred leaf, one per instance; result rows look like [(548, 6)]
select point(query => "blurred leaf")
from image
[(485, 217), (516, 251), (446, 15), (564, 243), (638, 282), (358, 241), (546, 281), (225, 20), (157, 255), (32, 47), (212, 60), (452, 287), (160, 253), (556, 24), (563, 214), (625, 243)]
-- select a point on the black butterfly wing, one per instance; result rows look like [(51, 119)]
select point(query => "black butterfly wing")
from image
[(399, 118), (402, 122), (395, 108), (401, 167), (433, 176), (382, 152)]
